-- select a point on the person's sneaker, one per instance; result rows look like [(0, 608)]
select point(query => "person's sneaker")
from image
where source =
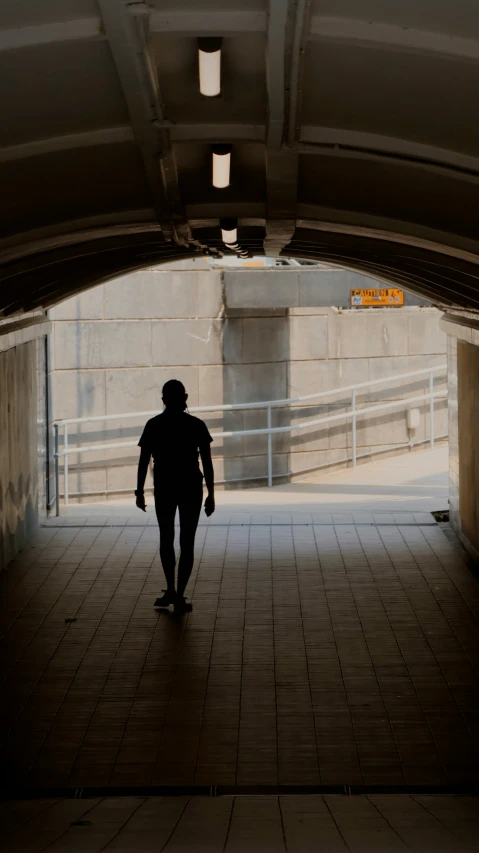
[(182, 606), (166, 599)]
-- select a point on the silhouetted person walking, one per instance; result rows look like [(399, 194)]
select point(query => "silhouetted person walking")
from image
[(174, 438)]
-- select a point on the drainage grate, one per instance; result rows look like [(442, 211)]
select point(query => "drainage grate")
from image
[(234, 790), (255, 524), (441, 515)]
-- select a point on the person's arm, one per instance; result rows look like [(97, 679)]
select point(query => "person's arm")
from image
[(205, 453), (143, 463)]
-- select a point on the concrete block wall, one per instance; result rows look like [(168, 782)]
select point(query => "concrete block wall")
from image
[(22, 433), (293, 287), (367, 345), (232, 336)]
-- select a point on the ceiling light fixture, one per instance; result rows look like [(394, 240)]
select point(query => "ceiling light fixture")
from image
[(221, 165), (209, 66)]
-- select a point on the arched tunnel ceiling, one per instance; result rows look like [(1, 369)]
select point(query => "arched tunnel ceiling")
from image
[(353, 124)]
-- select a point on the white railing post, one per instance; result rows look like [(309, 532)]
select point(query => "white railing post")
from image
[(65, 462), (270, 450), (57, 473), (431, 407), (354, 427)]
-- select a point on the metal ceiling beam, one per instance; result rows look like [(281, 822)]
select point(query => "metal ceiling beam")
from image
[(187, 23), (217, 210), (392, 37), (77, 231), (275, 70), (315, 218), (395, 160), (281, 189), (127, 29), (281, 164), (235, 22), (116, 135), (76, 30), (200, 132), (298, 52), (205, 22), (110, 244), (374, 142), (247, 221), (90, 139), (311, 135)]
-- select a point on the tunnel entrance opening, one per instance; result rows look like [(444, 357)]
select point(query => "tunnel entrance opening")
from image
[(277, 347)]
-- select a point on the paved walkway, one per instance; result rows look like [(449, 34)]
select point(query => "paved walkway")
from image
[(317, 653), (286, 824), (333, 642), (406, 488)]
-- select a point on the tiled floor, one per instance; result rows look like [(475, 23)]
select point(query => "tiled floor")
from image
[(285, 824), (315, 654)]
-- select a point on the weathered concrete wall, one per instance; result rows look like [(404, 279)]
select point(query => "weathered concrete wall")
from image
[(232, 336), (22, 434), (361, 346), (299, 287), (468, 420), (454, 512), (463, 370)]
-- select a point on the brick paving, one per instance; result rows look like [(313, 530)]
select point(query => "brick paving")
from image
[(284, 824), (316, 654)]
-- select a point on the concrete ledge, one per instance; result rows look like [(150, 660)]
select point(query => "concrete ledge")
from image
[(461, 327), (21, 332)]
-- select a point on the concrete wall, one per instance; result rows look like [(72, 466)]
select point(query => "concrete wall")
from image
[(463, 369), (22, 434), (361, 346), (303, 287), (453, 422), (468, 421), (232, 336)]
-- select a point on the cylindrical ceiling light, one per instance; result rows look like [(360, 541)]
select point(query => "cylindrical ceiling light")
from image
[(221, 165), (229, 231), (209, 66)]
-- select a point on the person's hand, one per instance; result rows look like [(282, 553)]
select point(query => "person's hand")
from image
[(209, 505), (140, 502)]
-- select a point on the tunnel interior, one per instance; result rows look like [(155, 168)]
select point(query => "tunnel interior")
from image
[(328, 652)]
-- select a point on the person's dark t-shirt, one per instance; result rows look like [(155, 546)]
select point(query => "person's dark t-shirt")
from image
[(174, 440)]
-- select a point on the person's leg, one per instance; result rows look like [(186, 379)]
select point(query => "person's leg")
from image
[(165, 506), (189, 506)]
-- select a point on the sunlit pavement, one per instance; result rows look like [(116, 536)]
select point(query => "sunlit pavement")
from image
[(405, 488)]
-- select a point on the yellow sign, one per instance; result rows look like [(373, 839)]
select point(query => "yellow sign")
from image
[(381, 297)]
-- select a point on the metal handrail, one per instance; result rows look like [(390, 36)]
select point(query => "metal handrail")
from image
[(354, 414), (262, 405), (266, 430)]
